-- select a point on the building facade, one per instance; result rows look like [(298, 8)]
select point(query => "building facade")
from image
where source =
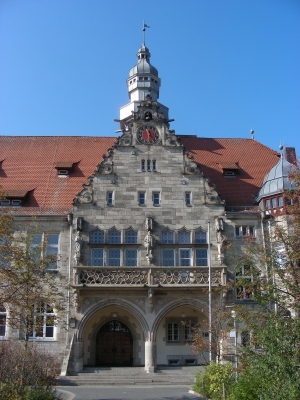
[(135, 222)]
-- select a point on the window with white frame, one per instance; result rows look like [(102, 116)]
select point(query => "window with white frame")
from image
[(189, 328), (97, 237), (143, 165), (280, 256), (167, 237), (245, 280), (168, 257), (110, 198), (185, 257), (268, 204), (97, 257), (2, 320), (114, 237), (42, 322), (51, 249), (156, 198), (142, 198), (173, 332), (201, 257), (184, 237), (244, 230)]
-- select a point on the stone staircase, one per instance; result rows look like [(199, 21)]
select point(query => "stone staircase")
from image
[(131, 376)]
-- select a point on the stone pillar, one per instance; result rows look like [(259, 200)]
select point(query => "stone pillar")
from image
[(150, 356), (77, 359)]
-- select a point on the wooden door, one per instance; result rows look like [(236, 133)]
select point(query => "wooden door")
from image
[(114, 345)]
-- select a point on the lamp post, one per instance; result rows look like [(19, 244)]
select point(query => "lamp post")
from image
[(233, 314)]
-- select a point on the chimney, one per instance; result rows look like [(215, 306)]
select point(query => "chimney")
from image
[(290, 155)]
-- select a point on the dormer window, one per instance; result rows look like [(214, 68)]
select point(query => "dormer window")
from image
[(14, 198), (230, 169), (64, 168)]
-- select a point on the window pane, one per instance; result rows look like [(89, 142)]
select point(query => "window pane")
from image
[(168, 258), (268, 204), (184, 237), (280, 201), (167, 237), (154, 165), (131, 237), (188, 198), (143, 165), (156, 199), (200, 237), (114, 237), (142, 199), (274, 202), (97, 237), (201, 258), (131, 258), (237, 231), (97, 258), (185, 257), (114, 258), (52, 249)]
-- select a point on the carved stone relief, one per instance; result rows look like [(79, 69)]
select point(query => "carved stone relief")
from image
[(211, 195), (85, 196)]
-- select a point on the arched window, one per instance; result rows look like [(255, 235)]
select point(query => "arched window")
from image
[(200, 237), (114, 237), (184, 237), (131, 237), (167, 237), (97, 237)]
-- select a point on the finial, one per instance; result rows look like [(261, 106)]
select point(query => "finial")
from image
[(252, 133), (144, 29), (280, 147)]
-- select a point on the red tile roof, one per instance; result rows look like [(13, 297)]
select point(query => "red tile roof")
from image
[(253, 158), (29, 165)]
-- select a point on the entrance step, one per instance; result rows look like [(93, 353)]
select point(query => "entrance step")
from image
[(132, 376)]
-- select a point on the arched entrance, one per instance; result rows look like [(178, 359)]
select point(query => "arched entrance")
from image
[(114, 345)]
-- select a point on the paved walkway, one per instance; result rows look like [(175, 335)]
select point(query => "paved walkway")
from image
[(128, 393)]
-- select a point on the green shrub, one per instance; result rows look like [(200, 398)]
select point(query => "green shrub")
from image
[(210, 382)]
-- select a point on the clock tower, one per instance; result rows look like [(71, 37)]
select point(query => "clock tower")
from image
[(144, 121)]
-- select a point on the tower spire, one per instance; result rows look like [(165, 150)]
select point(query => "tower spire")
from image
[(144, 30)]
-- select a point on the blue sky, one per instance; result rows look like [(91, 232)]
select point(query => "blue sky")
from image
[(226, 65)]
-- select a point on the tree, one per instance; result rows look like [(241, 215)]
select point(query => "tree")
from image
[(270, 361), (31, 291)]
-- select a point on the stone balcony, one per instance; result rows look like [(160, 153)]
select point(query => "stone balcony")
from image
[(155, 277)]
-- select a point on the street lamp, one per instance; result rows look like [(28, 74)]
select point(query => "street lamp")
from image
[(233, 314)]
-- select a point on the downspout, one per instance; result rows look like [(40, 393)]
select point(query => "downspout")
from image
[(70, 221)]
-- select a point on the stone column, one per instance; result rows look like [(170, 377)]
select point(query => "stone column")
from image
[(77, 359), (150, 356)]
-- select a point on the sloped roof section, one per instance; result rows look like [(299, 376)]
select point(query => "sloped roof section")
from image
[(30, 162), (254, 161)]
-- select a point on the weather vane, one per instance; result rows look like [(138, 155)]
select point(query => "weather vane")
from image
[(144, 29)]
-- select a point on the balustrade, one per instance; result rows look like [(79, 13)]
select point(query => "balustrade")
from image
[(158, 276)]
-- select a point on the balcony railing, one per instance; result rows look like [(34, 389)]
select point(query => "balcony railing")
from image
[(157, 276)]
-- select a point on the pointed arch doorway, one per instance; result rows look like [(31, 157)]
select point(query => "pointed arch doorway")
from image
[(114, 345)]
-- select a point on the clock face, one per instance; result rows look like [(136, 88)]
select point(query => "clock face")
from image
[(148, 135)]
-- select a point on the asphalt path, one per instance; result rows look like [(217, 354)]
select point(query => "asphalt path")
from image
[(127, 393)]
